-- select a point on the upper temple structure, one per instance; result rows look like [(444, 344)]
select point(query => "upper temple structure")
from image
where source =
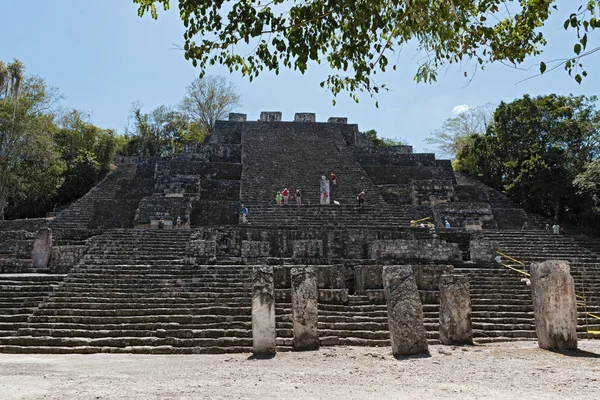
[(159, 258)]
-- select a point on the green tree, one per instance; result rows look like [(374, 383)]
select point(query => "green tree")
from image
[(534, 150), (208, 100), (30, 166), (371, 134), (358, 38), (450, 138), (161, 132), (87, 152)]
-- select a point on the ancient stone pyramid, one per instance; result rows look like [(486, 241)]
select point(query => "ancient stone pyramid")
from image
[(125, 276)]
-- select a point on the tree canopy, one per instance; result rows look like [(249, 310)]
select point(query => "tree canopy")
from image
[(535, 149), (450, 138), (51, 156), (371, 134), (358, 39)]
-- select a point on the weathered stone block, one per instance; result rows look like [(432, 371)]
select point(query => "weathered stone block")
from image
[(337, 120), (308, 248), (270, 116), (405, 311), (64, 257), (42, 248), (305, 117), (237, 117), (255, 249), (367, 277), (263, 311), (428, 277), (482, 250), (455, 310), (554, 305), (200, 249), (304, 308), (422, 250)]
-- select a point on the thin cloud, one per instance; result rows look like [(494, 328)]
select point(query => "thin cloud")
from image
[(461, 108)]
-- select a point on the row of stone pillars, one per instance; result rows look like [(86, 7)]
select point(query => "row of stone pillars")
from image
[(405, 311), (553, 293), (304, 310)]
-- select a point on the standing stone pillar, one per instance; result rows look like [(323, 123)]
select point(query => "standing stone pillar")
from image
[(42, 248), (324, 191), (304, 308), (554, 305), (405, 311), (455, 310), (263, 311)]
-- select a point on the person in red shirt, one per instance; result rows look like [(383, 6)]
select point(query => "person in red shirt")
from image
[(333, 179), (361, 198), (286, 195)]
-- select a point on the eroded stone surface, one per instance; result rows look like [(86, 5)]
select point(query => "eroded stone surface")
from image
[(304, 308), (308, 248), (263, 311), (405, 311), (424, 250), (554, 305), (482, 250), (455, 310), (42, 248)]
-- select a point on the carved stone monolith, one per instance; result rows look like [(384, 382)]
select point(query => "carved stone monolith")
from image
[(405, 311), (455, 310), (304, 308), (263, 311), (42, 248), (554, 305)]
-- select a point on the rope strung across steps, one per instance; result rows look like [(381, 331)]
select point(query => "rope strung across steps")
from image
[(581, 304)]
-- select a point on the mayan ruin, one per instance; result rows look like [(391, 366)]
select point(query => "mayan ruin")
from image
[(300, 199), (115, 273)]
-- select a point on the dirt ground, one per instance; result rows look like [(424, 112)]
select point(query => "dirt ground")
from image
[(497, 371)]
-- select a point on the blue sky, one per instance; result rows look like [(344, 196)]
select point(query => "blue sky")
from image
[(103, 57)]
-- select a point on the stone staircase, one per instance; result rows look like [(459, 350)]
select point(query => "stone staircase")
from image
[(295, 155), (331, 216), (20, 296), (133, 292), (79, 214), (539, 246)]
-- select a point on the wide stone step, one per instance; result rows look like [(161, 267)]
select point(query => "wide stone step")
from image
[(110, 304), (155, 283), (16, 311), (24, 289), (124, 341), (109, 289), (14, 318), (181, 319), (479, 333), (16, 349), (162, 333), (109, 296), (122, 312), (245, 324), (504, 327)]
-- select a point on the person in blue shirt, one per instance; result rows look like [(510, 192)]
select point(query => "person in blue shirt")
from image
[(244, 214), (447, 224)]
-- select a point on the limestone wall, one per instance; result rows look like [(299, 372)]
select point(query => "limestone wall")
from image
[(423, 250), (63, 258)]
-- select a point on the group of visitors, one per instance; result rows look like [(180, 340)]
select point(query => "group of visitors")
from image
[(282, 197)]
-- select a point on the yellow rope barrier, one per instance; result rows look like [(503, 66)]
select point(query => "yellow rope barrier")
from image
[(528, 275), (510, 258), (515, 269)]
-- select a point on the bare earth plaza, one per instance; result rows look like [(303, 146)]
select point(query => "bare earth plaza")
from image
[(214, 250)]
